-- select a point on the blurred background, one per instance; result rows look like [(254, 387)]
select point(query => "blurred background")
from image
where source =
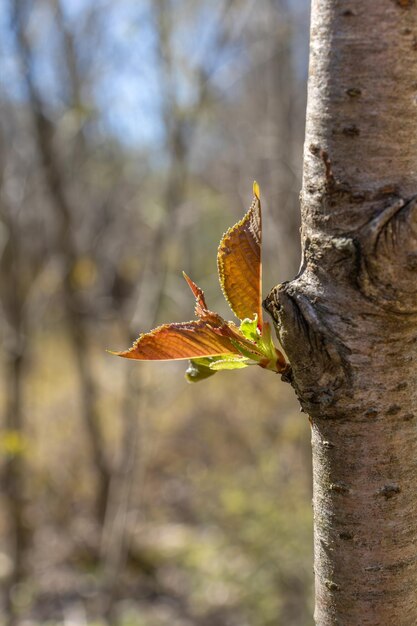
[(130, 134)]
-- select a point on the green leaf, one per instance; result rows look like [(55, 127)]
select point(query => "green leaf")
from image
[(249, 328), (266, 343), (229, 363), (197, 371), (254, 354)]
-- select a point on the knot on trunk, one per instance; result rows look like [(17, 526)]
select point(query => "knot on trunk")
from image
[(318, 357), (388, 257)]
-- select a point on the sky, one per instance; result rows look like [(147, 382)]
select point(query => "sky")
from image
[(126, 95)]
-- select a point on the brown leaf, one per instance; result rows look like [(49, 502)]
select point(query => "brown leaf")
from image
[(239, 263), (185, 340), (200, 301)]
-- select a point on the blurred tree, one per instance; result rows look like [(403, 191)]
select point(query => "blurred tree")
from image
[(24, 242), (73, 263), (348, 320)]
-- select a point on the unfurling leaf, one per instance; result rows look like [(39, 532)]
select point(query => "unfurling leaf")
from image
[(185, 340), (234, 363), (210, 342), (250, 329), (239, 263), (197, 371)]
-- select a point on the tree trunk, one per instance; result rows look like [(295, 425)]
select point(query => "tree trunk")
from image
[(348, 321)]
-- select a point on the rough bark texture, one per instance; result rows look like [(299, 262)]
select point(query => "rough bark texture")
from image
[(348, 321)]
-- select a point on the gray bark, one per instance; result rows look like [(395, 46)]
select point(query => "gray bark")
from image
[(348, 321)]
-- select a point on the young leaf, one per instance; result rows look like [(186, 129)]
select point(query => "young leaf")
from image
[(239, 263), (229, 364), (250, 329), (274, 359), (185, 340), (200, 301), (197, 371), (210, 342)]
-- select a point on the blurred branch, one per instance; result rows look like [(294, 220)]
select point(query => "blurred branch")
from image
[(15, 353), (20, 266), (66, 245)]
